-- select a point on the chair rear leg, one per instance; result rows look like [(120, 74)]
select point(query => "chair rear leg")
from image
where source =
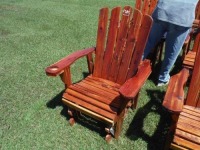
[(71, 114)]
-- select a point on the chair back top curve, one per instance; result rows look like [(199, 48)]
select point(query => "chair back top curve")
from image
[(193, 96), (146, 6), (121, 40)]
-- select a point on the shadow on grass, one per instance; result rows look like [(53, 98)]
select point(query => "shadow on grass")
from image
[(157, 139)]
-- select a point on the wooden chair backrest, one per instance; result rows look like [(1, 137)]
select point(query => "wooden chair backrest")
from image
[(146, 6), (119, 51), (193, 96)]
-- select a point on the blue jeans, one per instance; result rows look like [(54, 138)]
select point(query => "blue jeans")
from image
[(175, 37)]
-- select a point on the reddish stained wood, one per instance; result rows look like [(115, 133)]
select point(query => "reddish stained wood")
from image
[(185, 143), (110, 87), (90, 63), (193, 92), (58, 67), (188, 136), (145, 7), (111, 41), (104, 81), (66, 77), (153, 4), (189, 120), (97, 96), (121, 41), (191, 111), (101, 38), (131, 40), (98, 89), (174, 97), (195, 109), (90, 100), (93, 108), (190, 116), (188, 128), (132, 86), (140, 45), (138, 4)]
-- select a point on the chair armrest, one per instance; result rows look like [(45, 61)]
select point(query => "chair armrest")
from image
[(58, 67), (174, 96), (132, 86)]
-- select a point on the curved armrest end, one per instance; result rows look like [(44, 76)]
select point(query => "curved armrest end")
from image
[(132, 86), (174, 96), (58, 67)]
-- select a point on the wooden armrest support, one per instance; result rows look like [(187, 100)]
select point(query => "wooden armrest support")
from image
[(174, 96), (196, 23), (132, 86), (58, 67)]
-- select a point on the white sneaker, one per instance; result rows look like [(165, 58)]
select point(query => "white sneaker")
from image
[(162, 83)]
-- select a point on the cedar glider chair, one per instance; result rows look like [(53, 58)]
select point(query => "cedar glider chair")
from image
[(117, 74), (185, 129)]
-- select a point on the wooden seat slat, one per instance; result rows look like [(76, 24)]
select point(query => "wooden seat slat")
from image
[(189, 120), (98, 89), (97, 96), (91, 101), (87, 112), (114, 84), (189, 63), (188, 128), (191, 111), (77, 101), (185, 143), (190, 116), (187, 136), (189, 59), (101, 84)]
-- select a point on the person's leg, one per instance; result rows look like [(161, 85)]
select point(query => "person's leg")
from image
[(175, 38), (156, 33)]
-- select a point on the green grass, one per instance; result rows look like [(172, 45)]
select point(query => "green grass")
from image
[(35, 34)]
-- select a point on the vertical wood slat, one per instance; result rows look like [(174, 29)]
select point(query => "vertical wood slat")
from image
[(196, 43), (152, 6), (140, 45), (111, 41), (138, 4), (101, 38), (121, 41), (145, 7), (90, 63), (131, 40), (193, 93)]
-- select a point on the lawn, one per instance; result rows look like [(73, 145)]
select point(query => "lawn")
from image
[(35, 34)]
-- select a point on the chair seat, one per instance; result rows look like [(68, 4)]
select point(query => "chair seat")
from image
[(189, 59), (187, 133), (96, 96)]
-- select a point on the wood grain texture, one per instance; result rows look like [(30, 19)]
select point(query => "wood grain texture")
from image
[(111, 41), (101, 39), (58, 67), (130, 45), (174, 96), (120, 43)]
